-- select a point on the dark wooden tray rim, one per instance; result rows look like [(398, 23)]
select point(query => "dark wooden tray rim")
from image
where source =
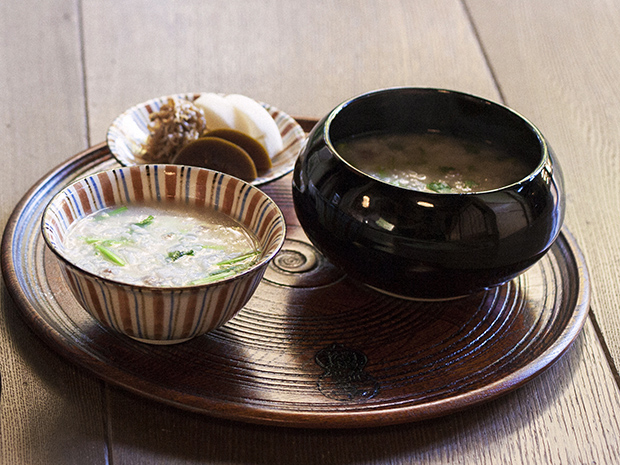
[(278, 363)]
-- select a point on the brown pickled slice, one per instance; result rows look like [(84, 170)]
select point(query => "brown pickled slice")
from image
[(254, 148), (218, 154)]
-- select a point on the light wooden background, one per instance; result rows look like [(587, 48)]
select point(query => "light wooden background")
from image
[(68, 67)]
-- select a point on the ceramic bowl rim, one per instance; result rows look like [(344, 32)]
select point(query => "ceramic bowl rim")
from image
[(264, 261)]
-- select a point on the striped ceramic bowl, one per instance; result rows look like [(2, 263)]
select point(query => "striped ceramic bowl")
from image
[(163, 315)]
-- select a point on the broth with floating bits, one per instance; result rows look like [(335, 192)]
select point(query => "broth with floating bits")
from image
[(433, 162), (161, 246)]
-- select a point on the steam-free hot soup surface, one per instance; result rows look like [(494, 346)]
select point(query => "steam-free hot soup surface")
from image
[(161, 246), (433, 162)]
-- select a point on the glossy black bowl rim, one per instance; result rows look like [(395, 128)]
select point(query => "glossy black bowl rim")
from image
[(544, 147)]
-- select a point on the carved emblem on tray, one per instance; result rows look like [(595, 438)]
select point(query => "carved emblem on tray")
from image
[(344, 377)]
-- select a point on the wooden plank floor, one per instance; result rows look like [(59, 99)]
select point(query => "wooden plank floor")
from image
[(563, 77), (72, 65), (50, 411)]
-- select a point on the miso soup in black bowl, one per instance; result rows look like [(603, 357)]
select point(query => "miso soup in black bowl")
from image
[(428, 193)]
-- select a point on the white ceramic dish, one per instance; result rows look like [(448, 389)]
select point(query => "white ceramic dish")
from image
[(129, 131)]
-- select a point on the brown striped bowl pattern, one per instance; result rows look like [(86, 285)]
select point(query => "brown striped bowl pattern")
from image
[(128, 133), (163, 315)]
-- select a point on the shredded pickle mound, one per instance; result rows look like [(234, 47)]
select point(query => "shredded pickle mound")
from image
[(175, 124)]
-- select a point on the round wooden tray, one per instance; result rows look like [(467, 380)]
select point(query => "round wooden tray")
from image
[(312, 348)]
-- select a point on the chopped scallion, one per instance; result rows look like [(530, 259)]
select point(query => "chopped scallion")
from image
[(216, 276), (108, 213), (179, 253), (439, 186), (238, 259), (146, 221), (109, 255)]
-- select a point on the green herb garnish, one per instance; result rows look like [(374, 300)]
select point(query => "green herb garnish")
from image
[(215, 276), (238, 259), (179, 253), (104, 242), (118, 210), (146, 221), (228, 268), (106, 214), (109, 255), (439, 186)]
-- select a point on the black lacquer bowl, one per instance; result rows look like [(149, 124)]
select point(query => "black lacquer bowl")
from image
[(437, 245)]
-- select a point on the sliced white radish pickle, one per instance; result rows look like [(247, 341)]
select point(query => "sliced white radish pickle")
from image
[(253, 119), (219, 112)]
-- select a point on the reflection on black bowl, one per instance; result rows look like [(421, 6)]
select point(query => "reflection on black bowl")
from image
[(427, 245)]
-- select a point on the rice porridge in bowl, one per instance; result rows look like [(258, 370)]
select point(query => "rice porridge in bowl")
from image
[(153, 246), (433, 162)]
